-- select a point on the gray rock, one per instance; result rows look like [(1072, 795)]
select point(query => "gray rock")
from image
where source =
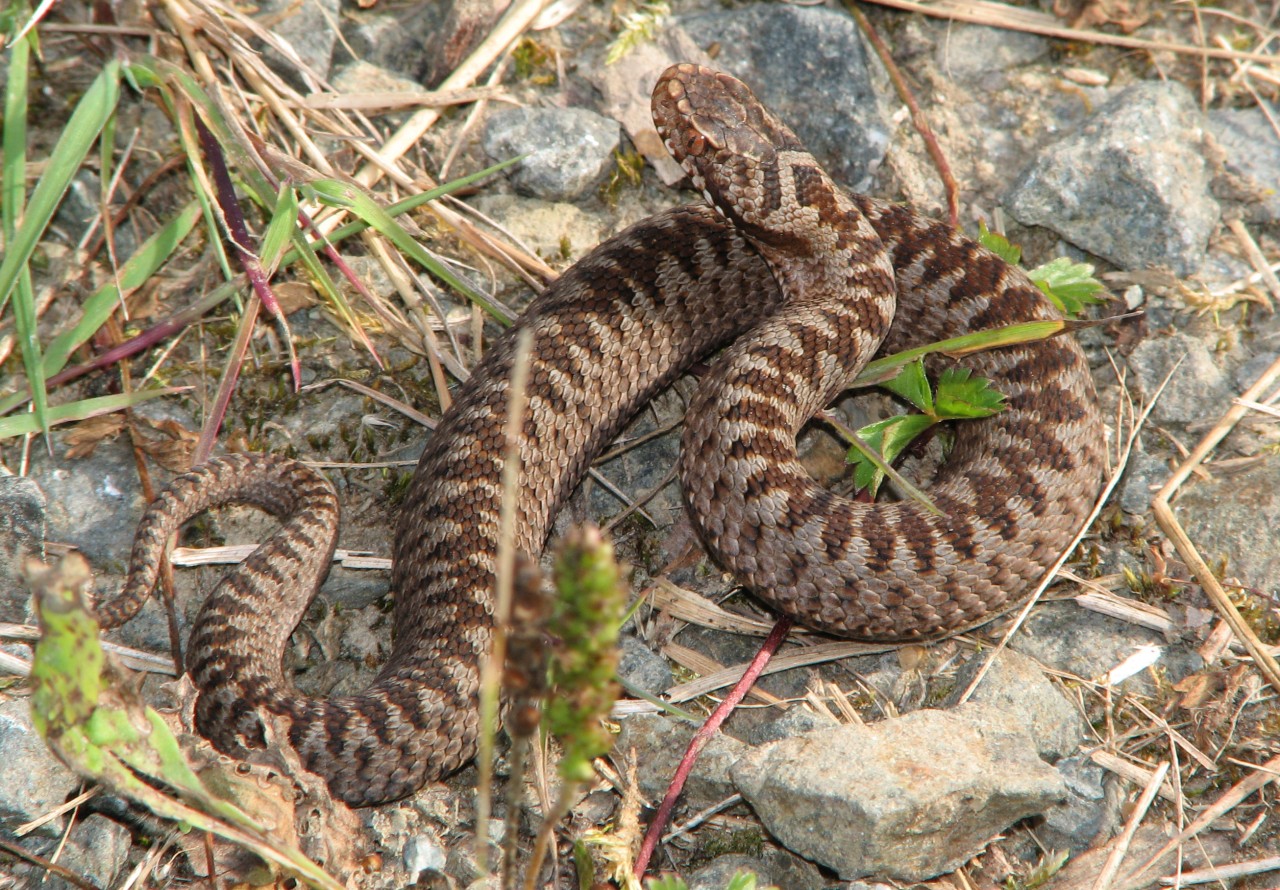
[(659, 744), (811, 67), (22, 507), (568, 151), (1143, 477), (1247, 374), (796, 720), (906, 799), (1131, 185), (772, 867), (94, 502), (1252, 160), (309, 26), (97, 848), (1237, 516), (1092, 808), (1067, 638), (396, 41), (1197, 391), (1014, 684), (640, 668), (967, 52), (424, 852), (32, 780)]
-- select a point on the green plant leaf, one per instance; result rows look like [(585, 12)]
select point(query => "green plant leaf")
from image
[(962, 396), (91, 716), (283, 225), (342, 194), (912, 385), (87, 120), (24, 424), (999, 244), (149, 257), (887, 438), (1070, 285)]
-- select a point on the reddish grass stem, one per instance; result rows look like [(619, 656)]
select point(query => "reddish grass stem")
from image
[(704, 735)]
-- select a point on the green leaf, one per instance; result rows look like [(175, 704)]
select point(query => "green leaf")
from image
[(90, 116), (888, 438), (962, 396), (912, 385), (24, 424), (1068, 284), (89, 713), (284, 222), (149, 257), (342, 194), (666, 882), (999, 245), (885, 368)]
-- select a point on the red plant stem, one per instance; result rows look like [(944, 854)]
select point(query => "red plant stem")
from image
[(704, 735), (918, 118), (238, 235)]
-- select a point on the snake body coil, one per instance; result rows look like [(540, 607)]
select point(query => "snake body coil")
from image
[(802, 281)]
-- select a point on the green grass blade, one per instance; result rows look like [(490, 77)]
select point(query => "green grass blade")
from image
[(90, 116), (342, 194), (153, 254), (13, 170), (887, 367), (24, 424), (284, 222)]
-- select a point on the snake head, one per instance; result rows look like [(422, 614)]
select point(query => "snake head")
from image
[(723, 137)]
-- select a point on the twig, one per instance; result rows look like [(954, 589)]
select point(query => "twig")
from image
[(48, 865), (1220, 873), (1263, 775), (703, 736), (1163, 512), (1112, 865), (918, 119), (1000, 15), (491, 668)]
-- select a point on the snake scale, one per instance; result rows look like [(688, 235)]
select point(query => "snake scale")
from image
[(801, 283)]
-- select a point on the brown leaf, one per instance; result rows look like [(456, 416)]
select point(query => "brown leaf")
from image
[(87, 435)]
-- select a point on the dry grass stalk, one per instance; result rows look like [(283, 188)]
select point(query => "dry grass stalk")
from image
[(134, 659), (819, 654), (491, 668), (1121, 848), (509, 28), (1254, 255), (694, 608), (705, 665), (400, 99), (1216, 874), (1234, 796), (1133, 772), (1000, 15), (1104, 602), (1160, 507)]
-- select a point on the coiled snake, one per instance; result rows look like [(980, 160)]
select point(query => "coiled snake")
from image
[(802, 281)]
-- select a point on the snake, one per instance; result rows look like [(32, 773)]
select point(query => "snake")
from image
[(787, 285)]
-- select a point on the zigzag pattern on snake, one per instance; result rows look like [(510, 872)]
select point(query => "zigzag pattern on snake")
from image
[(802, 282)]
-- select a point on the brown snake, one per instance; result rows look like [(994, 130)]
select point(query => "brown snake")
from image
[(802, 281)]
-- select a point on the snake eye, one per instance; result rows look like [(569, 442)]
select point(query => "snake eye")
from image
[(697, 144)]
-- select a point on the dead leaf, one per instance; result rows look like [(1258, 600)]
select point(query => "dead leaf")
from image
[(84, 437)]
